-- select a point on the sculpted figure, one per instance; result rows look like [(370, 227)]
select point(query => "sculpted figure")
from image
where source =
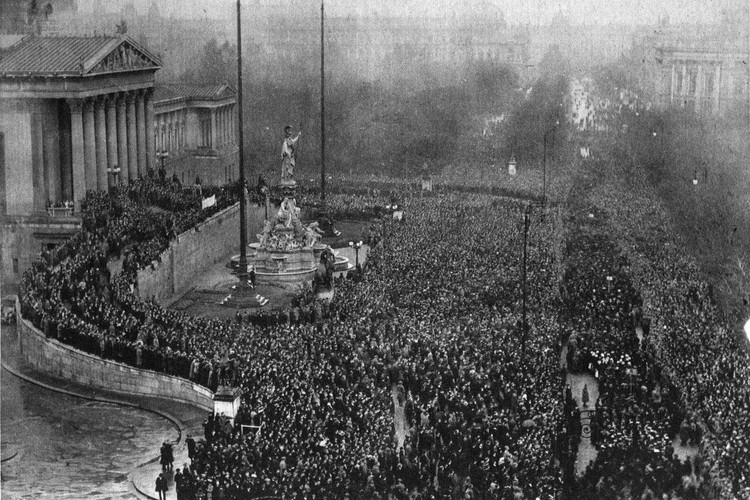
[(289, 155), (312, 234)]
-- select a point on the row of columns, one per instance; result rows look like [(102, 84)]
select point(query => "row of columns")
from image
[(227, 124), (170, 131), (109, 131), (702, 75)]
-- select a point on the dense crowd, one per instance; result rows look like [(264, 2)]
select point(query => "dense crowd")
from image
[(690, 372), (418, 380), (441, 335), (479, 417)]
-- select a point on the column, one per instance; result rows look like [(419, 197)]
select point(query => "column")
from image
[(699, 89), (235, 124), (132, 138), (122, 137), (66, 167), (717, 90), (89, 144), (213, 129), (39, 186), (101, 145), (673, 84), (77, 149), (140, 112), (224, 125), (150, 150), (111, 136), (685, 85)]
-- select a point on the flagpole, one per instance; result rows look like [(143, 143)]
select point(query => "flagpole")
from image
[(322, 109), (242, 269)]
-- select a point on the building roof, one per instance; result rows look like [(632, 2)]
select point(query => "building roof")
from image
[(74, 56), (182, 91)]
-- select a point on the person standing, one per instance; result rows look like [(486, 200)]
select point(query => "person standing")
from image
[(161, 486)]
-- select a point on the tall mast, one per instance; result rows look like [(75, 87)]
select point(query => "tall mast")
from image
[(242, 270), (322, 108)]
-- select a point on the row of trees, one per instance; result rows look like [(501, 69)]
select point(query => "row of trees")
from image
[(698, 165), (379, 127)]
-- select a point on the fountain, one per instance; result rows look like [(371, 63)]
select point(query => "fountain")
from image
[(286, 248)]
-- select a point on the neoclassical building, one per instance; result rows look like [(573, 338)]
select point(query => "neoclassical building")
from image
[(699, 67), (195, 131), (75, 115)]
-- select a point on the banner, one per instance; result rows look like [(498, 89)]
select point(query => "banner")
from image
[(208, 202)]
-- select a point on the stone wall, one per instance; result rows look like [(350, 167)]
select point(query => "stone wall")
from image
[(192, 252), (60, 360)]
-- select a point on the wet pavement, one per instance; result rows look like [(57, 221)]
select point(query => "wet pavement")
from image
[(71, 448), (82, 442)]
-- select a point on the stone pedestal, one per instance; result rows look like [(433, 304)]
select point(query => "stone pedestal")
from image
[(272, 266), (288, 189), (241, 297), (227, 401)]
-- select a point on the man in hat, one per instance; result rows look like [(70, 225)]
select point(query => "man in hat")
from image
[(289, 154)]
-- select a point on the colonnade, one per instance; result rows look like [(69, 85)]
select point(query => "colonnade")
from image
[(227, 123), (170, 130), (110, 131), (698, 82)]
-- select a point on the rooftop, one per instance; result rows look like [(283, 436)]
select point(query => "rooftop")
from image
[(72, 56), (181, 91)]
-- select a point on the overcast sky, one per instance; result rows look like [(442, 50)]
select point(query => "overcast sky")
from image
[(516, 11)]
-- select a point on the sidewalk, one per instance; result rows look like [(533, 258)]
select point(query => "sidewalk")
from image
[(187, 419)]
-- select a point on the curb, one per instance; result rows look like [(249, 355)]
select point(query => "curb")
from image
[(171, 418)]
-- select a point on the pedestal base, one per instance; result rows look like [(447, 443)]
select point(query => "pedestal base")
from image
[(287, 189), (241, 297)]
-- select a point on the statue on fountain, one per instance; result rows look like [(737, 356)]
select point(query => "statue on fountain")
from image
[(286, 231), (289, 155)]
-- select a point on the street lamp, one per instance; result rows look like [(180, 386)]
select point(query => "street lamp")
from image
[(526, 214), (544, 156), (512, 165), (163, 154), (114, 171), (356, 246), (390, 214)]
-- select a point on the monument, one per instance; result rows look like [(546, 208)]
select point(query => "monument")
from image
[(287, 250), (286, 247), (288, 186)]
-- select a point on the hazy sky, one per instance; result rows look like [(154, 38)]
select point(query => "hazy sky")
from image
[(516, 11)]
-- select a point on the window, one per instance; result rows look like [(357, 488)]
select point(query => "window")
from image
[(15, 266)]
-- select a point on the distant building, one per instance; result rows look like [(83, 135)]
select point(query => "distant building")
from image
[(196, 126), (74, 116), (705, 68)]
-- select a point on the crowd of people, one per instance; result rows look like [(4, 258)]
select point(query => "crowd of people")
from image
[(418, 380), (688, 376), (480, 417)]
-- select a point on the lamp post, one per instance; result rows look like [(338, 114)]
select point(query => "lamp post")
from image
[(356, 246), (390, 214), (544, 158), (162, 154), (525, 325), (114, 171)]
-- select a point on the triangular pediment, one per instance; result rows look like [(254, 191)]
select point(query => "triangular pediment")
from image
[(126, 55)]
